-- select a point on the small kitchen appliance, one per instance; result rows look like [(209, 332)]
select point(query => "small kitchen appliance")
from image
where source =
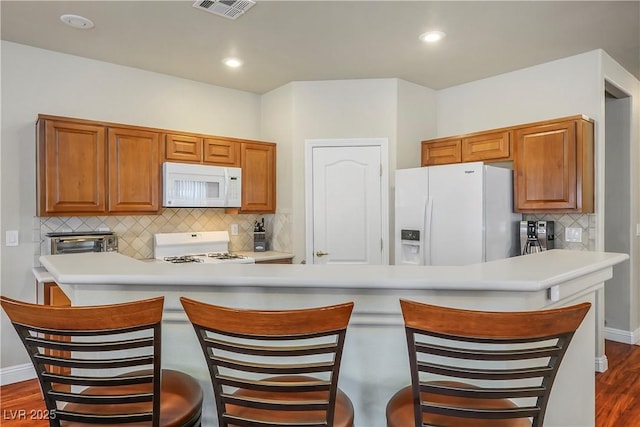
[(259, 237), (192, 185), (81, 241), (210, 247), (536, 236)]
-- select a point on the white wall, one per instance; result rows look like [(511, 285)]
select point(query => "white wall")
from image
[(40, 81), (417, 115), (555, 89)]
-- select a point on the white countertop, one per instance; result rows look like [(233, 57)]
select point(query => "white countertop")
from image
[(524, 273)]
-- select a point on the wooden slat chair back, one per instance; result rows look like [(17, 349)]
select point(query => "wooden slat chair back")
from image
[(101, 364), (469, 367), (274, 368)]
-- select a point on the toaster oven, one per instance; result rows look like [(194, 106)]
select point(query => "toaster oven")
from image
[(77, 242)]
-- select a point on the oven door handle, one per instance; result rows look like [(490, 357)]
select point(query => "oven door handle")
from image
[(80, 239)]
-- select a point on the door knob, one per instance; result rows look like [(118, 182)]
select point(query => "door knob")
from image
[(321, 253)]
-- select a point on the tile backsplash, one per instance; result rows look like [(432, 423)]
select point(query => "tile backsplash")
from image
[(135, 233), (586, 222)]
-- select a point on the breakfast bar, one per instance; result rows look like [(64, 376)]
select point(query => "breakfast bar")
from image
[(375, 362)]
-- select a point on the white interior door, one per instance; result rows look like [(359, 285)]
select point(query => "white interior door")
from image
[(346, 204)]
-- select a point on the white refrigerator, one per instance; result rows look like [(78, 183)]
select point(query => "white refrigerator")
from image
[(455, 214)]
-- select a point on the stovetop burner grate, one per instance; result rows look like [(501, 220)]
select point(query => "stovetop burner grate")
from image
[(182, 259), (225, 255)]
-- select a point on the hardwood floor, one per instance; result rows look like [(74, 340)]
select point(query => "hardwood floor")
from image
[(617, 394), (618, 389)]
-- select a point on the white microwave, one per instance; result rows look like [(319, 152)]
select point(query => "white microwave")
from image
[(191, 185)]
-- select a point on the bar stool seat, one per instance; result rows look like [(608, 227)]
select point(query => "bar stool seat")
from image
[(343, 407), (400, 409), (180, 401)]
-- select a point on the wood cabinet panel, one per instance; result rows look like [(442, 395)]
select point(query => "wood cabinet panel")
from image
[(134, 171), (183, 148), (487, 147), (71, 172), (258, 162), (441, 152), (276, 261), (54, 296), (554, 167), (221, 151)]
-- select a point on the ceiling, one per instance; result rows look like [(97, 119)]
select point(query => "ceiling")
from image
[(284, 41)]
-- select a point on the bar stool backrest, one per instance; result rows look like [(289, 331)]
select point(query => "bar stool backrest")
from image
[(497, 355), (264, 362), (112, 348)]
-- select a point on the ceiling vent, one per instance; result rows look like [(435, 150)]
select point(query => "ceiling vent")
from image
[(231, 9)]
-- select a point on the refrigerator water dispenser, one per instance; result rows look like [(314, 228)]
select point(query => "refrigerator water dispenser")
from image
[(410, 243)]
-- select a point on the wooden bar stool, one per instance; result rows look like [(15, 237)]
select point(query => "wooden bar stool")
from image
[(274, 368), (509, 355), (101, 364)]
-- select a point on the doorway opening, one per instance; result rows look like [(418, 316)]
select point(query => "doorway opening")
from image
[(617, 212)]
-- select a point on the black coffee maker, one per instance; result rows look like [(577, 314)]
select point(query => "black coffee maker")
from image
[(259, 237), (536, 236)]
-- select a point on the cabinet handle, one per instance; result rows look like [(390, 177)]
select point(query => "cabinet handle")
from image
[(321, 253)]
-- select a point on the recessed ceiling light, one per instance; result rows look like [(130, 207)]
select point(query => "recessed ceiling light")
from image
[(432, 36), (77, 21), (232, 62)]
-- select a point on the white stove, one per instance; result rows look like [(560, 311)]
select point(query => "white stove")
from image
[(210, 247)]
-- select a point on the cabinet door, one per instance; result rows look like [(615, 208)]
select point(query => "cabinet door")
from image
[(486, 147), (441, 152), (71, 168), (545, 167), (54, 296), (258, 162), (183, 148), (134, 171), (220, 151)]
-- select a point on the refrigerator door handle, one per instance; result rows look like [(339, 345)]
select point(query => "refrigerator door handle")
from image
[(426, 240)]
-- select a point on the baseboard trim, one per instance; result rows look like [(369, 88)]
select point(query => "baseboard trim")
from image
[(618, 335), (17, 373), (602, 364)]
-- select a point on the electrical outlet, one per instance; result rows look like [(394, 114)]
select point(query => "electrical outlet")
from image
[(234, 229), (573, 234), (12, 238)]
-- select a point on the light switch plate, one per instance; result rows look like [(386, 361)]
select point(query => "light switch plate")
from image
[(234, 229), (573, 234)]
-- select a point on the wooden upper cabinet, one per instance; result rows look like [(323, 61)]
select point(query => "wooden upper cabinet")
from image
[(96, 168), (71, 169), (554, 167), (258, 162), (221, 151), (487, 147), (441, 152), (482, 146), (183, 148), (134, 171)]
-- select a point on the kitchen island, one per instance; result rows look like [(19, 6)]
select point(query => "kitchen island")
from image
[(375, 362)]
